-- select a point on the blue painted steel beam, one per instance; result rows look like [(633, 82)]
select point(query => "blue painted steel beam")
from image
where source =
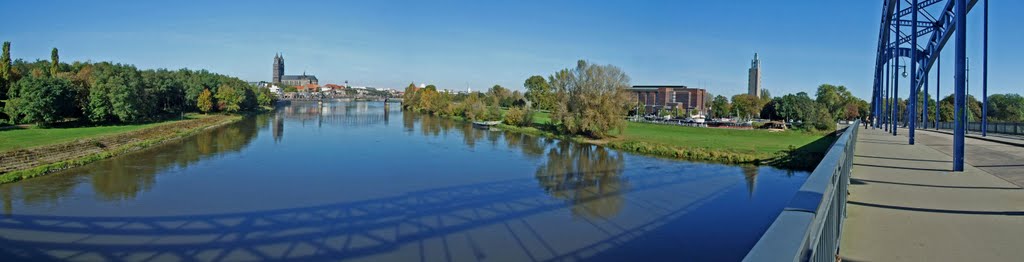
[(885, 96), (912, 104), (874, 101), (921, 24), (960, 57), (942, 34), (920, 5), (880, 62), (938, 88), (924, 106), (885, 99), (984, 77), (896, 85)]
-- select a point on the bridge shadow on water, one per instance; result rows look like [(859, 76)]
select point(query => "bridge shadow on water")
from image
[(335, 231), (570, 210)]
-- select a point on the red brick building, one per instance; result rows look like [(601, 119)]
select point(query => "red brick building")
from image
[(651, 99)]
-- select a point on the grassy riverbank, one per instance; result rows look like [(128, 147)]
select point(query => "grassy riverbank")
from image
[(18, 138), (788, 149), (93, 144)]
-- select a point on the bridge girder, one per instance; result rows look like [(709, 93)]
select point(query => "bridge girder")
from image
[(937, 31)]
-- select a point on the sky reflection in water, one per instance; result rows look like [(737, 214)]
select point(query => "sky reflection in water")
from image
[(363, 181)]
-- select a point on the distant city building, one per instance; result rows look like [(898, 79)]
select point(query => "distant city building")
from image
[(655, 98), (754, 77), (276, 90), (292, 80), (307, 88)]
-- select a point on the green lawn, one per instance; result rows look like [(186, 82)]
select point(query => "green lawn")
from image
[(541, 117), (757, 142), (33, 136), (740, 141)]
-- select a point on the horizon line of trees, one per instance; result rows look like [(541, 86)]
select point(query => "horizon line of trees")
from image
[(48, 92)]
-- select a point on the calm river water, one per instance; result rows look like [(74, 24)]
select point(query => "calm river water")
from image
[(362, 181)]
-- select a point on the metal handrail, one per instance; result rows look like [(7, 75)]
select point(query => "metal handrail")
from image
[(1008, 128), (810, 226)]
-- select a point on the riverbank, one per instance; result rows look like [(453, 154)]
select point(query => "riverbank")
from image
[(91, 144), (789, 149)]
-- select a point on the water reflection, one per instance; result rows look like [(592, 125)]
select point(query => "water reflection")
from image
[(494, 196), (331, 114), (124, 177), (586, 176), (750, 176)]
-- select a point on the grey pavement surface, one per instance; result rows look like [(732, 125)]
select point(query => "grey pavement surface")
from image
[(905, 204), (1000, 157)]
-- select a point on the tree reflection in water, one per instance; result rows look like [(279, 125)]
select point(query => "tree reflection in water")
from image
[(588, 177), (124, 177)]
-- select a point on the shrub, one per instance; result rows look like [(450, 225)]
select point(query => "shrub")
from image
[(519, 116)]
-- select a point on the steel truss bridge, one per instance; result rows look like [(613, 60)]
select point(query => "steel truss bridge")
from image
[(918, 30)]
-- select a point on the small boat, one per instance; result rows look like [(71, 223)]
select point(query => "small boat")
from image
[(486, 123)]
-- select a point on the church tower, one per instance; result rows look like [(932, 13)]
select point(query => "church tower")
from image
[(278, 68)]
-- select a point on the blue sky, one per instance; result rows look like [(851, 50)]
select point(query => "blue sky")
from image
[(459, 44)]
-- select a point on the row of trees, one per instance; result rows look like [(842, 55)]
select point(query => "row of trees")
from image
[(831, 103), (473, 106), (47, 92), (589, 100), (1001, 108)]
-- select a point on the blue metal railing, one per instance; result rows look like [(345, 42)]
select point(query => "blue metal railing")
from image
[(810, 226), (993, 127)]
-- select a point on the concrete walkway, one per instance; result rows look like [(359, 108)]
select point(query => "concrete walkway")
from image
[(905, 204)]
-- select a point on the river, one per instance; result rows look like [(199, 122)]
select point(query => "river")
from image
[(362, 181)]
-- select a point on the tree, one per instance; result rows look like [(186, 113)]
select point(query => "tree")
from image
[(54, 62), (834, 98), (973, 106), (229, 98), (770, 110), (519, 116), (720, 107), (746, 105), (427, 99), (205, 101), (499, 96), (1006, 107), (410, 99), (795, 107), (765, 96), (474, 108), (539, 92), (822, 120), (117, 94), (594, 99), (42, 100), (5, 70), (265, 98), (165, 93)]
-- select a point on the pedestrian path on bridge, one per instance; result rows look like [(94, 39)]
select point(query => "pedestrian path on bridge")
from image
[(906, 205)]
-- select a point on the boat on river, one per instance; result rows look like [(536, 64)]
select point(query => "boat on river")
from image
[(486, 123)]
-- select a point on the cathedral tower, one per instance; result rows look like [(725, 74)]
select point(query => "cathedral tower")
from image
[(278, 68)]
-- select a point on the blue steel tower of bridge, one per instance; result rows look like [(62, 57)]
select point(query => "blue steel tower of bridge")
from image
[(916, 31)]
